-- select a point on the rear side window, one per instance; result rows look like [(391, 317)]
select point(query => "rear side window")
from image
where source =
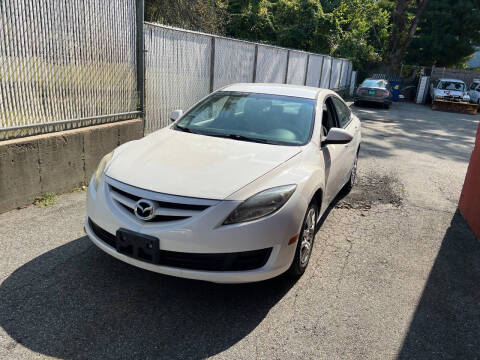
[(343, 112)]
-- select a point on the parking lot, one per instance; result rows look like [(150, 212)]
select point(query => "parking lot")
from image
[(395, 272)]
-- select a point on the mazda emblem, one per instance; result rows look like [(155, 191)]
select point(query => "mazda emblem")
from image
[(144, 209)]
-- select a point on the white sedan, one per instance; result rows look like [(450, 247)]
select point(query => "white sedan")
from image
[(232, 191)]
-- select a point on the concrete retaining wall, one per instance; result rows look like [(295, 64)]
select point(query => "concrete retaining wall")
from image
[(56, 162), (469, 204)]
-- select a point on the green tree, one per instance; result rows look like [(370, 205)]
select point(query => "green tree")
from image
[(200, 15), (447, 34), (360, 32), (299, 24), (405, 18)]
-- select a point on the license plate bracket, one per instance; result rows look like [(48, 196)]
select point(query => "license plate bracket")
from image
[(371, 92), (138, 246)]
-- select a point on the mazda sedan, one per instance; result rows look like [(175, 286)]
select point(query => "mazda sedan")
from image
[(233, 190), (376, 91)]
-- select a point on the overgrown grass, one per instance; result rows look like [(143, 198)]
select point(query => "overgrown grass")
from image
[(81, 187), (47, 199)]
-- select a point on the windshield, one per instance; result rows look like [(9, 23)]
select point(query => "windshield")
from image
[(451, 85), (374, 83), (272, 119)]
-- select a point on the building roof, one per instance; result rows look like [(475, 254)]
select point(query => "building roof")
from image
[(307, 92)]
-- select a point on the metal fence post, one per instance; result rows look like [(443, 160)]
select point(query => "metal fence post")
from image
[(321, 72), (340, 76), (286, 70), (212, 63), (254, 78), (141, 60), (306, 70), (330, 79)]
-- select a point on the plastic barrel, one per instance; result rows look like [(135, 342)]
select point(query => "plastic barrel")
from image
[(395, 90)]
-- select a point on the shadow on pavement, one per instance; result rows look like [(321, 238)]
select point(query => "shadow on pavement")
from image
[(77, 302), (446, 323), (449, 136)]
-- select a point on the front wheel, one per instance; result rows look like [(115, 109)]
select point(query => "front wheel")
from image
[(305, 242)]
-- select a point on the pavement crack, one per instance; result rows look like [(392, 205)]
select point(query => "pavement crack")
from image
[(344, 265)]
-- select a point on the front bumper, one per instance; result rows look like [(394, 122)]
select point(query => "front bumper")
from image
[(202, 235)]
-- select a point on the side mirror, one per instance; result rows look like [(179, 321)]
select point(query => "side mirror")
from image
[(337, 136), (175, 115)]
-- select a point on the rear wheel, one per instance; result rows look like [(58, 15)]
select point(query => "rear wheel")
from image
[(353, 175), (305, 242)]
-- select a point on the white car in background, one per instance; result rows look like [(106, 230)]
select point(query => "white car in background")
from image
[(233, 190), (449, 90), (474, 91)]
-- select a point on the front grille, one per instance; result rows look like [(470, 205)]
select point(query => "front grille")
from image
[(167, 207), (237, 261), (452, 98)]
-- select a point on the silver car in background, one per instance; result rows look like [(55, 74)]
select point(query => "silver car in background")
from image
[(377, 91)]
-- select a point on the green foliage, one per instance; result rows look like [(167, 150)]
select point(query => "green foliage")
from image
[(364, 31), (47, 199), (200, 15), (447, 34), (354, 29), (360, 32), (299, 24)]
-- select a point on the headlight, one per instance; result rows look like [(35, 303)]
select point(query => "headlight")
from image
[(262, 204), (101, 167)]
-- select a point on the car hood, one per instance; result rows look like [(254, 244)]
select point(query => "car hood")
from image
[(185, 164)]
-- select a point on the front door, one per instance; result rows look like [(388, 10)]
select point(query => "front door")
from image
[(335, 155)]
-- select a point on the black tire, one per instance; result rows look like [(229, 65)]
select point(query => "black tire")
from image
[(353, 175), (307, 235)]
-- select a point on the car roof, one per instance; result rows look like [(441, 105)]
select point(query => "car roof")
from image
[(307, 92), (452, 80)]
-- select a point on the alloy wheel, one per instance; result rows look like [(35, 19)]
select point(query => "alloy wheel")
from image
[(307, 237), (353, 174)]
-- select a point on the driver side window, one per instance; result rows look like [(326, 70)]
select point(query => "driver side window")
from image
[(328, 117), (343, 112)]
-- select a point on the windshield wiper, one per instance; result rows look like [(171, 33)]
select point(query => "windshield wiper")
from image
[(246, 138), (227, 136), (184, 129), (237, 137)]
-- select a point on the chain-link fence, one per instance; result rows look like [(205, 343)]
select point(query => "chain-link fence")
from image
[(184, 66), (65, 64)]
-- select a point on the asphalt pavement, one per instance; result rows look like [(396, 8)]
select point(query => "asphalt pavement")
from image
[(395, 272)]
